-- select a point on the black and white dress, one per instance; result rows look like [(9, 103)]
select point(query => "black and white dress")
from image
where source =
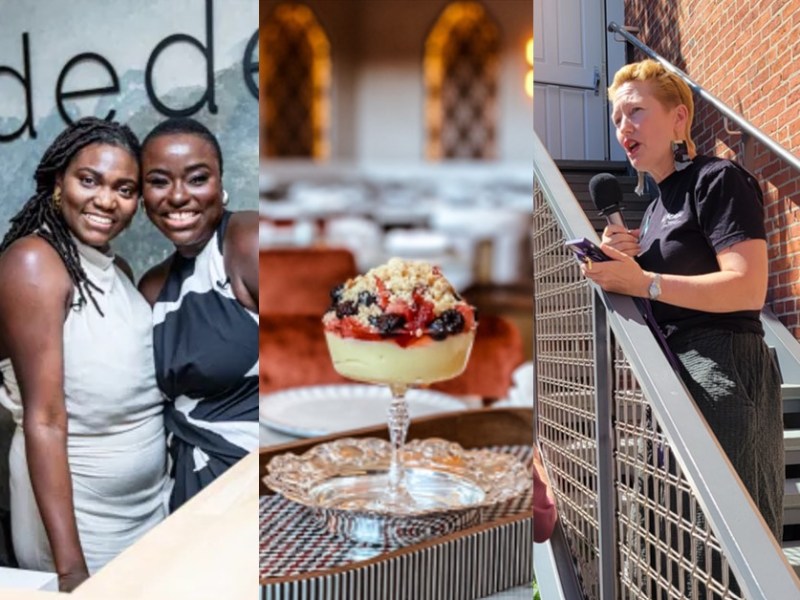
[(206, 354)]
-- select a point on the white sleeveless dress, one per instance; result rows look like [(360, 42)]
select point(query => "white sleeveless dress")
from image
[(116, 442)]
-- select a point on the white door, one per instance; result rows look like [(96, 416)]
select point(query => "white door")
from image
[(569, 101)]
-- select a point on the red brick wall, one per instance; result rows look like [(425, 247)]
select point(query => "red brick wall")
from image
[(747, 54)]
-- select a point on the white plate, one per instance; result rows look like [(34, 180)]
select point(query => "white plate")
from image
[(325, 409)]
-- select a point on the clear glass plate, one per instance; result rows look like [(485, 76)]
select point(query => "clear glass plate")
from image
[(344, 483)]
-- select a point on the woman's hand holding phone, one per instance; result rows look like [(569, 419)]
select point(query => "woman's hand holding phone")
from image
[(611, 269)]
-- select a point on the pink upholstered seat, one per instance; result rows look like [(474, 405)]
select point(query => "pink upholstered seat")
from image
[(298, 280)]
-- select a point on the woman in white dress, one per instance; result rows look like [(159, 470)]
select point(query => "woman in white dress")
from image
[(88, 458)]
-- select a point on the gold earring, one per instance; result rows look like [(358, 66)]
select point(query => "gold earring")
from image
[(57, 198)]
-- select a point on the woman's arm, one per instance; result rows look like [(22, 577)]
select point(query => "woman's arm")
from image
[(544, 505), (34, 296), (241, 257), (740, 284)]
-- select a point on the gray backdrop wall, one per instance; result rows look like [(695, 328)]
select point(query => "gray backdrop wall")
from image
[(160, 52)]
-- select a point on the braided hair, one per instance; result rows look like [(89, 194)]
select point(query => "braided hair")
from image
[(39, 214), (187, 125)]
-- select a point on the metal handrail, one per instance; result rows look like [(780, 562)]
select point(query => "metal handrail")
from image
[(756, 558), (746, 125), (551, 562)]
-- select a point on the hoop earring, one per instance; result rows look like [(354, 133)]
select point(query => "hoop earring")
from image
[(57, 198), (680, 155), (225, 198)]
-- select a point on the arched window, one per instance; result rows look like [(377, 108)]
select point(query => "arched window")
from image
[(295, 56), (461, 64)]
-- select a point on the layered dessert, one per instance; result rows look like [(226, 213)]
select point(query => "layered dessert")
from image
[(400, 323)]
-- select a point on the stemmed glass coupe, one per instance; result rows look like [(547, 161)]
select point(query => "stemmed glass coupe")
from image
[(405, 343), (387, 362)]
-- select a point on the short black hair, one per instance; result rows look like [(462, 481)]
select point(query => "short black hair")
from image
[(177, 125), (40, 215)]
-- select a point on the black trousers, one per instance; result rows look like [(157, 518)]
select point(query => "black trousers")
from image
[(735, 383)]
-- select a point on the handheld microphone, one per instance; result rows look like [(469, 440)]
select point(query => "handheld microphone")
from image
[(607, 197)]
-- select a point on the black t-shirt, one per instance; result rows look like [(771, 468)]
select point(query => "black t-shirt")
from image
[(710, 205)]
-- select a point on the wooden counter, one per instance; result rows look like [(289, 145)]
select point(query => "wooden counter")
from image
[(207, 549)]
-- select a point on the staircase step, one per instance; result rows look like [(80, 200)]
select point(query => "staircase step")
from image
[(578, 174), (792, 552), (790, 392), (791, 444), (791, 502), (586, 176), (597, 166)]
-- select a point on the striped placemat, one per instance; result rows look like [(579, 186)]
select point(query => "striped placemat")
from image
[(293, 543)]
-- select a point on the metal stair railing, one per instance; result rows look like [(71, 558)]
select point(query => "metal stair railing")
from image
[(647, 499)]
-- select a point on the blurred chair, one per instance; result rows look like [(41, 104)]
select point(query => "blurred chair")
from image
[(299, 280), (293, 353), (496, 353)]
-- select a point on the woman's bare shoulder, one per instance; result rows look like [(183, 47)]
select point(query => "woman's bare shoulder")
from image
[(32, 260), (151, 282)]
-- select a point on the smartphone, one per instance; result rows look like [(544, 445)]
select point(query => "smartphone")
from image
[(585, 250)]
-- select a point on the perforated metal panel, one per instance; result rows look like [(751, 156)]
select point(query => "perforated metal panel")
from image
[(565, 388), (664, 548)]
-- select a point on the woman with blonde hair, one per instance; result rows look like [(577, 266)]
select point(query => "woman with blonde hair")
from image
[(700, 256)]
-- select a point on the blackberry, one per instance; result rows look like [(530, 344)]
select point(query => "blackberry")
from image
[(336, 293), (366, 298), (346, 309), (449, 322), (386, 324)]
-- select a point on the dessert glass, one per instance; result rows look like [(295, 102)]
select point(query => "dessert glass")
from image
[(400, 325)]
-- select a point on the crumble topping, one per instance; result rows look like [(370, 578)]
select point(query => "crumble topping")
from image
[(402, 297)]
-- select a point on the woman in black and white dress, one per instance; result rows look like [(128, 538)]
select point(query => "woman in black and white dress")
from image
[(205, 306)]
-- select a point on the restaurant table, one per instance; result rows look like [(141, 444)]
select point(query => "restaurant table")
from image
[(207, 549)]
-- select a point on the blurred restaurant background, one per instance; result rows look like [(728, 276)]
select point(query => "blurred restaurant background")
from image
[(393, 128)]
